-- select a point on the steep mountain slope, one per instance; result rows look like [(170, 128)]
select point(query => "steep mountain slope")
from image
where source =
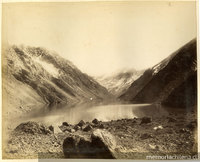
[(184, 95), (36, 76), (168, 81), (118, 83)]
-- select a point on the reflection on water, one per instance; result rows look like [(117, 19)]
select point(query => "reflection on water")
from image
[(103, 113)]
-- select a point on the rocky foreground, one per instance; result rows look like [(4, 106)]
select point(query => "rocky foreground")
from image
[(134, 138)]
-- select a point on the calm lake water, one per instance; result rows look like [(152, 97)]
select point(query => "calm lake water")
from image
[(88, 113)]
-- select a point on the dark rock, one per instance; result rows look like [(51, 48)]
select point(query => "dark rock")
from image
[(51, 128), (104, 144), (146, 120), (32, 128), (100, 145), (87, 128), (76, 127), (65, 124), (95, 121), (81, 123), (101, 126), (146, 136), (85, 148), (70, 147)]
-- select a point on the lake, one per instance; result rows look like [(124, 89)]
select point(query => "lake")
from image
[(88, 113)]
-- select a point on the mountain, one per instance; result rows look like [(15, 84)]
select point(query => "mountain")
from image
[(172, 82), (35, 76), (119, 82)]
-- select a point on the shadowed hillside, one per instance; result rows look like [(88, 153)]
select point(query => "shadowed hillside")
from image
[(169, 82)]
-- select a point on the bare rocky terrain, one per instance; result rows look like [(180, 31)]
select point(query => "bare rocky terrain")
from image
[(123, 139)]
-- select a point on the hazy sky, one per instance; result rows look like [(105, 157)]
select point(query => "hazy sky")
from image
[(102, 37)]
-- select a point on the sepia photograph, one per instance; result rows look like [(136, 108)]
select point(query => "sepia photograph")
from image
[(99, 80)]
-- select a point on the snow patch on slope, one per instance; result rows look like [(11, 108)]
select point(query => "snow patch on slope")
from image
[(156, 68), (47, 66), (119, 82)]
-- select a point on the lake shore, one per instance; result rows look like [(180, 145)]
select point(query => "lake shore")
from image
[(136, 138)]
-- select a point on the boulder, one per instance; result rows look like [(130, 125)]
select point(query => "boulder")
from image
[(101, 126), (104, 144), (95, 121), (81, 123), (33, 128), (70, 147), (146, 120), (51, 128), (76, 127), (87, 128), (100, 145), (65, 124)]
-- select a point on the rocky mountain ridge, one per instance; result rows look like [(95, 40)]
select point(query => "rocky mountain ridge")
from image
[(42, 76), (119, 82), (174, 76)]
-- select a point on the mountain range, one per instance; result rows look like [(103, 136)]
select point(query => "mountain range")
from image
[(34, 77), (119, 82)]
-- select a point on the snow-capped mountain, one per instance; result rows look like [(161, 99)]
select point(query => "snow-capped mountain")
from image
[(119, 82)]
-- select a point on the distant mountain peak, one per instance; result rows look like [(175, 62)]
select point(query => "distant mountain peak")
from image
[(119, 81)]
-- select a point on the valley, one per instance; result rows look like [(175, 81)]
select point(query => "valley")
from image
[(46, 97)]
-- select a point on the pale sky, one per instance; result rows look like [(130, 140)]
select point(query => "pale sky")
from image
[(102, 37)]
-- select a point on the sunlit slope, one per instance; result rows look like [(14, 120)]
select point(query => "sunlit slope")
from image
[(37, 76)]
